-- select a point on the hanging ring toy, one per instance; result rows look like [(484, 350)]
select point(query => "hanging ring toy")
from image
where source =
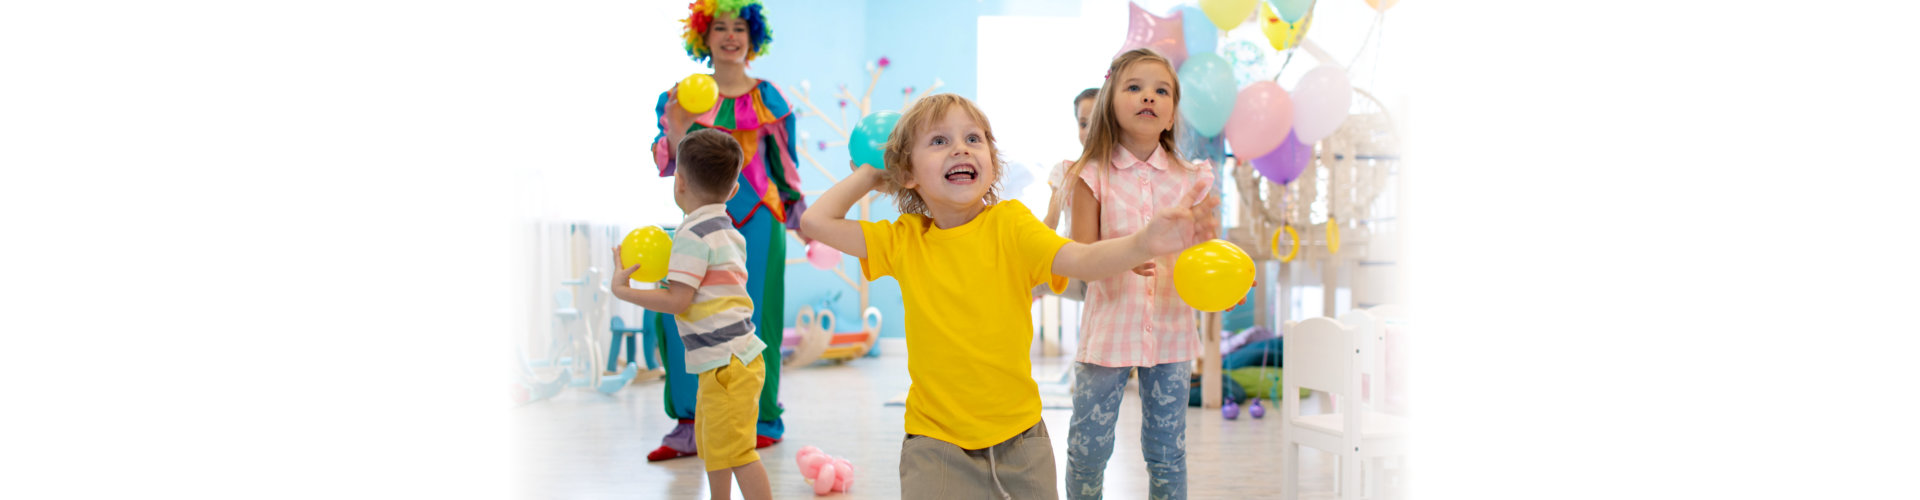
[(1293, 250), (1333, 235)]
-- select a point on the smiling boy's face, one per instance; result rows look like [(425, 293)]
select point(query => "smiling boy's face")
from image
[(952, 161)]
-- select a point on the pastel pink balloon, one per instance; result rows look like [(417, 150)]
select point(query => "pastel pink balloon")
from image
[(843, 471), (811, 465), (1164, 35), (1262, 116), (801, 458), (822, 256), (824, 483)]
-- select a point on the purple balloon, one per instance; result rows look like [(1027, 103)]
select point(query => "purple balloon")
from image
[(1284, 163)]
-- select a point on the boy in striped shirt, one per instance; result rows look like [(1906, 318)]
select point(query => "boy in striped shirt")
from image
[(707, 294)]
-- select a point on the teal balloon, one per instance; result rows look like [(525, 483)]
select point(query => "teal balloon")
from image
[(868, 146), (1202, 36), (1291, 10), (1206, 93)]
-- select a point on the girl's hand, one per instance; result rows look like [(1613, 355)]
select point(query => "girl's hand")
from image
[(1206, 217), (1144, 269), (1187, 223)]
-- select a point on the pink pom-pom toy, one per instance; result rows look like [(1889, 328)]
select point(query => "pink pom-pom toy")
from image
[(825, 473)]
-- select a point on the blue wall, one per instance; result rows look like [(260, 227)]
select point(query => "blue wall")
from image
[(830, 43)]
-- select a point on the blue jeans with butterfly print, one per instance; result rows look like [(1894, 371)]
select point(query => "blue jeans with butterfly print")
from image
[(1163, 427)]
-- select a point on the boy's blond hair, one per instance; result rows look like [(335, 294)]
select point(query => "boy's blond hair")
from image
[(899, 154)]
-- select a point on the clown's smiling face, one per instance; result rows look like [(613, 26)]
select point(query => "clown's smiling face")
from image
[(728, 39)]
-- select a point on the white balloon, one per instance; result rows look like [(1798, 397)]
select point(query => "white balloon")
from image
[(1320, 103)]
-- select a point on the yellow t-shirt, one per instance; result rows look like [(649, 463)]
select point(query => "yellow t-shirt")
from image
[(967, 292)]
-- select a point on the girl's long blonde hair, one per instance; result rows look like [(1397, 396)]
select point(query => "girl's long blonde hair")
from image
[(1104, 134)]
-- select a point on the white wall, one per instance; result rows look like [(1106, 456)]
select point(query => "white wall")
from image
[(601, 100)]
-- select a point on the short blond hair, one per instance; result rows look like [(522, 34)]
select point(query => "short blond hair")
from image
[(899, 154)]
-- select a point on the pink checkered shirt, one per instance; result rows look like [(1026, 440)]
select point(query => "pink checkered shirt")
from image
[(1129, 319)]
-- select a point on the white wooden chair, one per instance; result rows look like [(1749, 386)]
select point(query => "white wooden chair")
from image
[(1371, 336), (1395, 323), (1323, 355)]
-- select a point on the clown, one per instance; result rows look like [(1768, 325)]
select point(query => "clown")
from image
[(727, 35)]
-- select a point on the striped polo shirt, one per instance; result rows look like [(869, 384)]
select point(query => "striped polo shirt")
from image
[(710, 255)]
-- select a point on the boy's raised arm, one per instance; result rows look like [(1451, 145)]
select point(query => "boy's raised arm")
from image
[(826, 220)]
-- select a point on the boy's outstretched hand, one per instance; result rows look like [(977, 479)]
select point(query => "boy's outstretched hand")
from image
[(624, 273), (1191, 221)]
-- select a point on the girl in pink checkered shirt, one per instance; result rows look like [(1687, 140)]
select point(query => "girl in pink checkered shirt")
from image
[(1133, 322)]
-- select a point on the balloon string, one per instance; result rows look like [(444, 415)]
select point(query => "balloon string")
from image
[(1379, 42), (1283, 66), (1296, 43), (1363, 41)]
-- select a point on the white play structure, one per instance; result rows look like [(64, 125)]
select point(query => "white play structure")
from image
[(567, 351)]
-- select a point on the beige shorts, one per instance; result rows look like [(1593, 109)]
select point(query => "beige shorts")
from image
[(1022, 466)]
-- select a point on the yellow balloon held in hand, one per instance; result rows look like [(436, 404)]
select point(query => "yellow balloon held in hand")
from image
[(649, 247), (1213, 276), (697, 93)]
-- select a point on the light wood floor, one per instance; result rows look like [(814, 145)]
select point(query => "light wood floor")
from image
[(584, 445)]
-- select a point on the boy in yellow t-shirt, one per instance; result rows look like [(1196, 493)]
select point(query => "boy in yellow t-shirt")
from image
[(966, 263)]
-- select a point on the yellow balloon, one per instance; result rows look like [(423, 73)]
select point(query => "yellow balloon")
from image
[(1212, 276), (698, 93), (1280, 33), (1227, 14), (649, 247), (1382, 5)]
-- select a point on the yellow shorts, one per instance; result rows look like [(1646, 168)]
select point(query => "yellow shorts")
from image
[(725, 413)]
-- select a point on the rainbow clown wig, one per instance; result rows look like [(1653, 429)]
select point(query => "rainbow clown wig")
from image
[(698, 21)]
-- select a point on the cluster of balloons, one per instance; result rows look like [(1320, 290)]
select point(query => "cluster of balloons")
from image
[(650, 247), (1261, 121), (1278, 129)]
